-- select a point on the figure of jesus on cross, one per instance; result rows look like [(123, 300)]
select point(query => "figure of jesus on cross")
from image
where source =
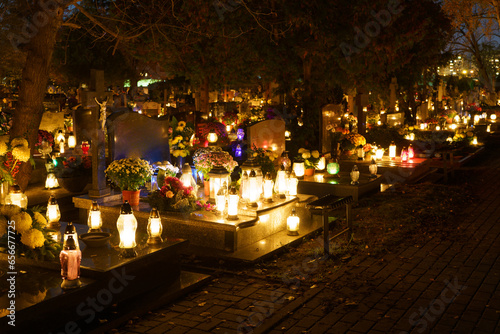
[(102, 115)]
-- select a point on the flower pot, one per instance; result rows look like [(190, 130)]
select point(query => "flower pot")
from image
[(74, 184), (309, 172), (132, 196), (206, 187)]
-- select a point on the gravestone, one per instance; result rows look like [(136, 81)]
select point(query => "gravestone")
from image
[(94, 100), (52, 121), (268, 134), (132, 135), (83, 126), (331, 114)]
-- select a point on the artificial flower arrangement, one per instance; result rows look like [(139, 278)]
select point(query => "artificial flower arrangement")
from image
[(12, 154), (352, 141), (207, 158), (174, 196), (73, 166), (30, 235), (265, 158), (181, 139), (165, 169), (129, 173), (311, 158), (45, 138)]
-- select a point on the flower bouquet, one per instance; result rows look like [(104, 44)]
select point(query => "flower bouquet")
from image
[(45, 141), (352, 141), (207, 158), (311, 159), (174, 196), (181, 138), (129, 173), (11, 156), (265, 158), (73, 166), (24, 233)]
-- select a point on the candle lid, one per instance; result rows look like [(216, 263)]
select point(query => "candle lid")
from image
[(70, 243), (52, 200), (126, 208), (70, 228), (94, 206), (154, 213)]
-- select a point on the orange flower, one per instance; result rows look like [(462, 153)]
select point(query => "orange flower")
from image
[(169, 194)]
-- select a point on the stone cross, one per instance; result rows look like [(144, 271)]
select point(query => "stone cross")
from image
[(98, 142)]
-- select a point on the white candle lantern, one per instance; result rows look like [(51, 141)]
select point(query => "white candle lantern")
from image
[(53, 212), (212, 138), (379, 153), (51, 181), (321, 164), (292, 223), (268, 188), (253, 192), (281, 182), (220, 199), (61, 147), (218, 178), (355, 175), (411, 152), (474, 141), (252, 164), (493, 117), (292, 184), (155, 228), (17, 197), (70, 258), (94, 220), (127, 225), (392, 151), (60, 137), (299, 168), (373, 169), (232, 204), (244, 186), (187, 178), (71, 140)]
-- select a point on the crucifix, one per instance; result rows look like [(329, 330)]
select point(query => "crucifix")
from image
[(90, 101)]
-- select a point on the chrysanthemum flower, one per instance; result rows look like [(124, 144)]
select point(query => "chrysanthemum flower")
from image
[(33, 238), (23, 221)]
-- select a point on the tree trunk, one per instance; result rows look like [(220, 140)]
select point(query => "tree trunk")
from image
[(204, 96), (29, 108)]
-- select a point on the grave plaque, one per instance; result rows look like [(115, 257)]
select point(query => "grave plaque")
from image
[(268, 134), (52, 121), (132, 135)]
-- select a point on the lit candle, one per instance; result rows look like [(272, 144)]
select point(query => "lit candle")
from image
[(94, 220), (127, 225), (232, 204), (392, 151), (292, 184), (53, 213), (281, 183), (292, 223), (404, 154), (354, 175), (71, 140), (61, 146), (253, 193), (155, 227), (268, 188)]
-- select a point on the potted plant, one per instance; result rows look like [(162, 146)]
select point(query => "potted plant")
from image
[(311, 160), (129, 175), (73, 172), (207, 158), (351, 142)]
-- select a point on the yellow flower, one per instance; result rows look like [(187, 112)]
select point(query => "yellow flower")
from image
[(181, 124), (315, 154), (3, 225), (21, 153), (23, 222), (179, 129), (181, 145), (306, 155), (40, 218), (33, 238), (255, 154), (302, 150), (410, 128), (3, 144), (169, 194), (184, 153), (19, 142), (9, 210)]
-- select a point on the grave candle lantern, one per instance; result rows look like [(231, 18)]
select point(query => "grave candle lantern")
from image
[(127, 225), (268, 188), (70, 258), (17, 197), (292, 184), (85, 147), (61, 146), (51, 181), (392, 151), (333, 168), (252, 164), (404, 154), (488, 128), (212, 138), (292, 223), (238, 152), (253, 192), (240, 133), (373, 169), (232, 204), (281, 183), (379, 153), (220, 199), (493, 117), (244, 186), (94, 220), (53, 212), (288, 135), (321, 164), (70, 231), (71, 140), (299, 168), (60, 137), (474, 141), (187, 178), (354, 175), (155, 228), (360, 153), (218, 177), (411, 152)]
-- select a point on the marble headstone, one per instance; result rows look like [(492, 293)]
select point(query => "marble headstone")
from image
[(132, 135), (268, 134), (52, 121)]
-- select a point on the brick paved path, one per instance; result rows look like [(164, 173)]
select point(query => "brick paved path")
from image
[(438, 287)]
